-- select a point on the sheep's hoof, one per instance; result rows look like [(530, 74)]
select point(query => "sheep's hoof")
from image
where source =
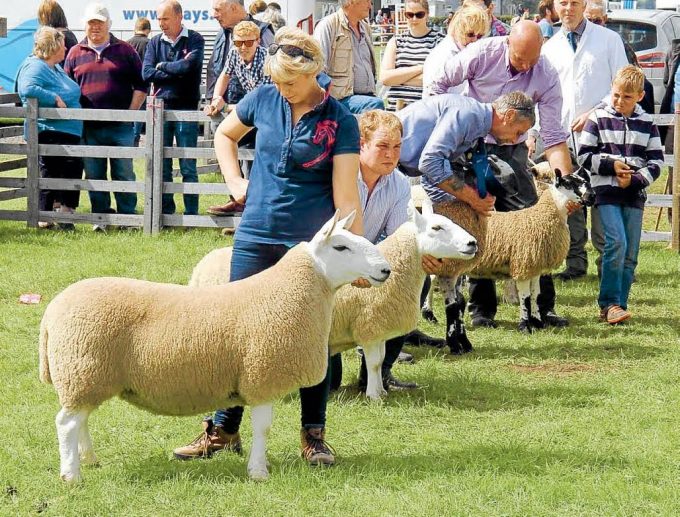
[(258, 473), (428, 315), (70, 478), (536, 323), (525, 327), (89, 458), (376, 396)]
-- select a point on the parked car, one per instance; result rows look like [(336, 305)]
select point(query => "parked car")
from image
[(650, 33)]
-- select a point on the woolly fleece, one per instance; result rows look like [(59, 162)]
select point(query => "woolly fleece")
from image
[(178, 350)]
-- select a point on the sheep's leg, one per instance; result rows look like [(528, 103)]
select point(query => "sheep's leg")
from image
[(426, 310), (524, 291), (261, 419), (454, 302), (85, 448), (69, 424), (535, 315), (374, 354)]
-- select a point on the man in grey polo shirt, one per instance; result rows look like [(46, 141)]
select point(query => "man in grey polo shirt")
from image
[(345, 38)]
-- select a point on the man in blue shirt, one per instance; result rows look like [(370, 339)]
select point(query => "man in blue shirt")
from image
[(439, 129), (172, 62)]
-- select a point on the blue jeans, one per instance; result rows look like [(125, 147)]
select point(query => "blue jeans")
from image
[(622, 227), (186, 135), (119, 134), (139, 127), (247, 259), (357, 104)]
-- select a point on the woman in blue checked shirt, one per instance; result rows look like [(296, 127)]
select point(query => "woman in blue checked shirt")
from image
[(305, 166)]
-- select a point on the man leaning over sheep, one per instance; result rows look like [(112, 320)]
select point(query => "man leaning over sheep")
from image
[(384, 193), (492, 67)]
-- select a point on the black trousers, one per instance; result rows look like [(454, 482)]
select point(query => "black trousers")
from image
[(60, 167), (483, 300)]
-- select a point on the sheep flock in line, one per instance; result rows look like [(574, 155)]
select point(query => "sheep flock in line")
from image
[(185, 350)]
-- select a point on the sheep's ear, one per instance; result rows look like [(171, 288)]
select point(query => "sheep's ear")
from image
[(327, 229), (427, 207), (347, 221), (414, 216), (558, 173)]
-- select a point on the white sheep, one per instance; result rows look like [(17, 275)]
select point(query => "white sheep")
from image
[(179, 350), (527, 243), (369, 317)]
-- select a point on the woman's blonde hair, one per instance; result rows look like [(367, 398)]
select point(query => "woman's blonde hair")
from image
[(373, 120), (469, 18), (245, 29), (47, 42), (284, 68)]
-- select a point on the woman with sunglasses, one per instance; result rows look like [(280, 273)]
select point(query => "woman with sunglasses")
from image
[(405, 54), (305, 166), (469, 24), (243, 71)]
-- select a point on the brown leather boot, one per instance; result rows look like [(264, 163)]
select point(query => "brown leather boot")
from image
[(213, 439), (314, 447)]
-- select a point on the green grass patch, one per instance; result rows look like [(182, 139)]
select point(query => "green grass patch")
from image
[(579, 421)]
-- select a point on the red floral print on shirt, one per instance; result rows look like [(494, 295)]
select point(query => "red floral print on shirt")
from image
[(324, 134)]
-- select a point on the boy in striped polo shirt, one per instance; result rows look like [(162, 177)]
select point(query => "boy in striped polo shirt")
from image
[(621, 148)]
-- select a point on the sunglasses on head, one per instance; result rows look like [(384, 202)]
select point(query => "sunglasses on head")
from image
[(597, 21), (248, 43), (473, 35), (420, 15), (289, 50)]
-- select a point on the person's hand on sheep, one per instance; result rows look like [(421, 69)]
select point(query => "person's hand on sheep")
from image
[(237, 189), (485, 206), (573, 206), (432, 265), (361, 283)]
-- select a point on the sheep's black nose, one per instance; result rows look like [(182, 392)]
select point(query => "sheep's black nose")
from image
[(386, 272)]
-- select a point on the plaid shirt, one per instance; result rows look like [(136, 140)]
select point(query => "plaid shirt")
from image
[(244, 78)]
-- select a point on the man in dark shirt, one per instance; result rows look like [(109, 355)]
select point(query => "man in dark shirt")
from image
[(108, 72), (173, 63)]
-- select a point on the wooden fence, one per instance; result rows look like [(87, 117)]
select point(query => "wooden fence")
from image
[(152, 219)]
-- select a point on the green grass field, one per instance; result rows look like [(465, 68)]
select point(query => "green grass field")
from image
[(580, 421)]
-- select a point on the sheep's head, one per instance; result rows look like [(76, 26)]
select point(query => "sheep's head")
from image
[(575, 186), (543, 176), (344, 257), (439, 236)]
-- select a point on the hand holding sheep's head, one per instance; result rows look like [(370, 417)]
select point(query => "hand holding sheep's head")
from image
[(440, 237), (576, 186), (344, 257)]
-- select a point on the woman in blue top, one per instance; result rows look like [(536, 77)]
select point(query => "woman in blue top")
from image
[(305, 166), (41, 77)]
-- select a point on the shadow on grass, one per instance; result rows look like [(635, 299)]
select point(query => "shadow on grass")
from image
[(462, 393), (452, 457), (498, 459)]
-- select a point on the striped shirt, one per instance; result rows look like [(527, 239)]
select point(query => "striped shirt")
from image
[(411, 51), (385, 209), (609, 136)]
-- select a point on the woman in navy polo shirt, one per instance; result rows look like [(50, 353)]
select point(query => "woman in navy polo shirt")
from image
[(306, 163)]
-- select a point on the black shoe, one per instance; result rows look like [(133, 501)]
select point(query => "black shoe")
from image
[(567, 275), (390, 383), (418, 338), (550, 319), (483, 322)]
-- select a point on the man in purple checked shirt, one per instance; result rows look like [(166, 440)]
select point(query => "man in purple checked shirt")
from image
[(492, 67)]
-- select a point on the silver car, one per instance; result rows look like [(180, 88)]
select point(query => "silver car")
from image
[(650, 33)]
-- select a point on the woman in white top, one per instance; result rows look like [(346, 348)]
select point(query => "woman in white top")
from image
[(468, 25), (402, 63)]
